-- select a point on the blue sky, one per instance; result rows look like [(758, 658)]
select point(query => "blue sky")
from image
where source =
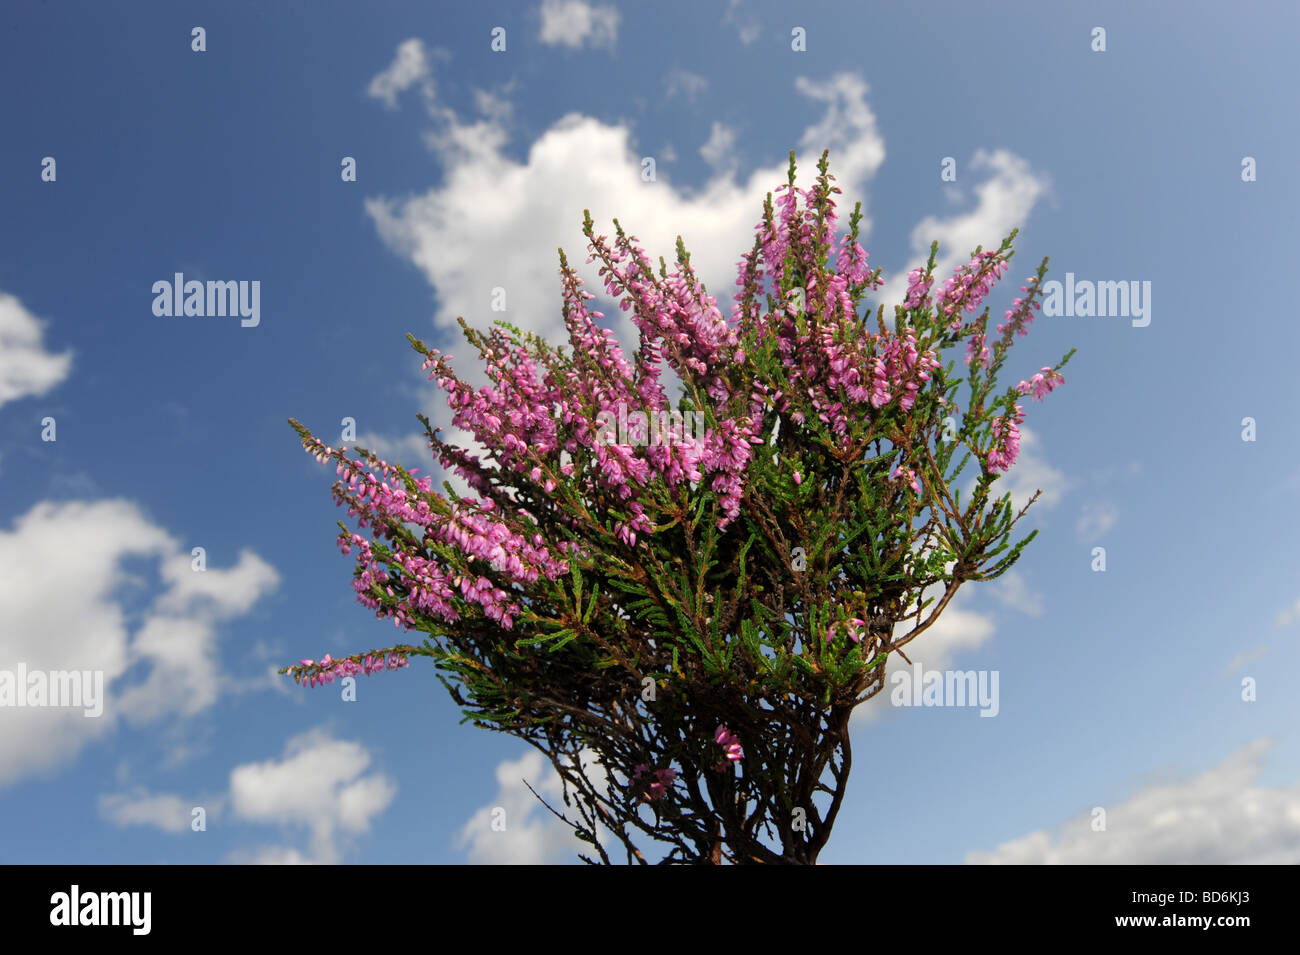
[(1119, 689)]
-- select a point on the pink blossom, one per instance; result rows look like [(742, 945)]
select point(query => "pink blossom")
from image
[(1006, 441), (1042, 383), (730, 745), (423, 559), (908, 475), (659, 781)]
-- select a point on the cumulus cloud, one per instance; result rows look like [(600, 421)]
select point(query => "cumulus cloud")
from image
[(26, 368), (577, 23), (496, 222), (64, 591), (531, 835), (410, 67), (319, 784), (1221, 817)]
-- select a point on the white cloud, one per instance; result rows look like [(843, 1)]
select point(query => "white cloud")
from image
[(1003, 202), (165, 811), (1096, 520), (1012, 590), (1221, 817), (495, 106), (497, 222), (319, 784), (26, 368), (224, 592), (575, 23), (720, 150), (532, 836), (409, 67), (63, 595), (685, 83)]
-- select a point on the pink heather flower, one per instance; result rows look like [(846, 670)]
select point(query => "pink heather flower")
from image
[(908, 475), (976, 350), (1042, 383), (969, 286), (730, 744), (658, 786), (534, 410), (854, 626), (918, 287), (1006, 441)]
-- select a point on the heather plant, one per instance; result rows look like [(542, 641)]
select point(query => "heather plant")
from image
[(684, 626)]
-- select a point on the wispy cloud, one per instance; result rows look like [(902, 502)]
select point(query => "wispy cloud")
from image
[(578, 23), (747, 28), (1288, 616), (410, 67), (1221, 817), (679, 82), (1096, 520), (166, 812)]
